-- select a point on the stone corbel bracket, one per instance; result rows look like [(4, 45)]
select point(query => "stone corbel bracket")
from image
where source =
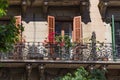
[(28, 69), (41, 68), (24, 5), (103, 7)]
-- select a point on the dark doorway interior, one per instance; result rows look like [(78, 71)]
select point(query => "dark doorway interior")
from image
[(64, 28), (117, 37)]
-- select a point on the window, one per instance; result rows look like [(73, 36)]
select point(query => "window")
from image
[(64, 28)]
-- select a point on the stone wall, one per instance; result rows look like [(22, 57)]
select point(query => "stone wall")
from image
[(36, 28), (102, 29)]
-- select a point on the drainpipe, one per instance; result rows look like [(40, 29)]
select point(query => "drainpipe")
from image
[(113, 38)]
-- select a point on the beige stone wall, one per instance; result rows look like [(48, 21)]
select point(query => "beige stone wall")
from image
[(102, 30), (36, 28), (35, 25), (35, 31)]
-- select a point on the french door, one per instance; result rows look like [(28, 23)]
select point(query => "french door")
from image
[(73, 29), (117, 38)]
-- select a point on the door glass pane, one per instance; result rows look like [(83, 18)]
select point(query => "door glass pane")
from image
[(65, 26), (117, 37), (58, 28)]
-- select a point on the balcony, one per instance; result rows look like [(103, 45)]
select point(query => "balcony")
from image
[(54, 56), (40, 51)]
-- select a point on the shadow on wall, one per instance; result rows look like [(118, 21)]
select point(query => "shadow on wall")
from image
[(34, 17), (36, 14), (33, 13), (86, 13)]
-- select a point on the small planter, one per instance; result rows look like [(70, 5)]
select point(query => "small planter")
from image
[(76, 57), (45, 58), (58, 58), (105, 59)]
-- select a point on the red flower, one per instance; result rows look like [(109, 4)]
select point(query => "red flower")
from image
[(62, 44), (51, 36)]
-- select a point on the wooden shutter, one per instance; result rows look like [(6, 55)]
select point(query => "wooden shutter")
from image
[(51, 33), (51, 28), (17, 23), (77, 29), (18, 20)]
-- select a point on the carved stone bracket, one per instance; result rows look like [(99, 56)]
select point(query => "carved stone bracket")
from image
[(24, 6), (28, 69), (103, 7), (41, 68), (45, 8), (84, 11), (84, 5)]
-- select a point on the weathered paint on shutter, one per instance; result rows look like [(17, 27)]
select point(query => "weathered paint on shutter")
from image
[(77, 29), (51, 28)]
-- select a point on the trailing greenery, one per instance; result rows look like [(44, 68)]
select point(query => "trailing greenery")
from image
[(3, 7), (82, 74), (97, 74), (9, 34), (64, 40)]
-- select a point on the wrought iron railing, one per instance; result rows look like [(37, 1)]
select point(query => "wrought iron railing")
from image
[(40, 51)]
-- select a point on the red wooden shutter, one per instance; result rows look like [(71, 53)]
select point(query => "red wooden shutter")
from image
[(17, 23), (51, 33), (77, 29), (51, 28)]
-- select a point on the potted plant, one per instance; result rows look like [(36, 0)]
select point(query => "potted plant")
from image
[(63, 43), (105, 57)]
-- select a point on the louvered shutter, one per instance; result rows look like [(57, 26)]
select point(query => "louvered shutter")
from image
[(51, 33), (51, 28), (17, 23), (77, 29)]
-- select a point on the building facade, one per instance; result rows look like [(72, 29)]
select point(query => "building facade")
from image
[(80, 20)]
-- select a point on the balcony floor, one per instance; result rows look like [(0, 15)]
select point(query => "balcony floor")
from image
[(60, 63)]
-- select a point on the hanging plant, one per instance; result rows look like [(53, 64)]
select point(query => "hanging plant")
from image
[(9, 35), (3, 7)]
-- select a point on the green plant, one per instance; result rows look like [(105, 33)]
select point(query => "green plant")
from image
[(63, 41), (82, 74), (97, 74), (3, 7), (79, 74), (9, 35)]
